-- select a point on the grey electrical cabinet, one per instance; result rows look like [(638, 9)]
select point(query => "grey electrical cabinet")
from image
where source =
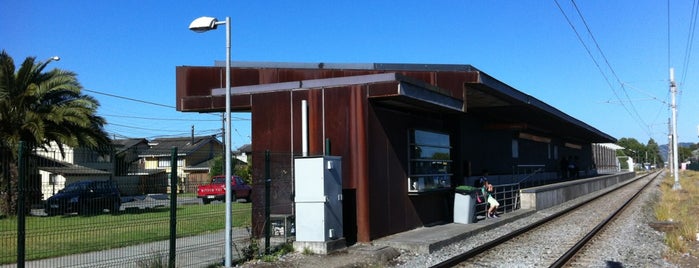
[(318, 198)]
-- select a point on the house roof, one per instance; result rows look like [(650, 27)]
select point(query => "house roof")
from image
[(246, 148), (65, 168), (122, 145), (185, 145)]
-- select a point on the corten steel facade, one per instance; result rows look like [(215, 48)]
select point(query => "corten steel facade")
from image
[(366, 112)]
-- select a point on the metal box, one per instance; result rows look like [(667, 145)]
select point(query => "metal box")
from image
[(318, 198)]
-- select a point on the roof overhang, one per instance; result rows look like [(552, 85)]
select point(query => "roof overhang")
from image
[(490, 98), (443, 88), (407, 93)]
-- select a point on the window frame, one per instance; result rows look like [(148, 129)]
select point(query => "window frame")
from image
[(439, 178)]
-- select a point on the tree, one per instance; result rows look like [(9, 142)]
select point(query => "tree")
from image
[(654, 153), (38, 108), (632, 148), (238, 168)]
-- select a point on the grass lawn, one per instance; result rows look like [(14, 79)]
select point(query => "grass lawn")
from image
[(69, 234)]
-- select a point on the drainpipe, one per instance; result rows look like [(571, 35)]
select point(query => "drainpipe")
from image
[(304, 127), (359, 160)]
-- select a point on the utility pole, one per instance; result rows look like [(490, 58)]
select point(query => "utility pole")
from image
[(675, 162), (669, 147)]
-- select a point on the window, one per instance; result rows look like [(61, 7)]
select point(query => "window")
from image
[(165, 162), (430, 161)]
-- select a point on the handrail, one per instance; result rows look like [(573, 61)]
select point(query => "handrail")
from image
[(531, 175), (507, 195)]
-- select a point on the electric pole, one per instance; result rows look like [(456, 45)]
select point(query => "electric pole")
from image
[(675, 162)]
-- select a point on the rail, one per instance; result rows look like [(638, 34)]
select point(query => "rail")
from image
[(528, 171), (456, 260), (507, 194)]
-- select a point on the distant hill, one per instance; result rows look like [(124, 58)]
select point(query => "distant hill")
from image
[(664, 149)]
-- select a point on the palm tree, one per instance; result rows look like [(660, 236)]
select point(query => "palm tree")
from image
[(38, 108)]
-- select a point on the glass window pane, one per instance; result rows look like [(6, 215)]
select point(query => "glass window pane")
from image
[(429, 152), (431, 138)]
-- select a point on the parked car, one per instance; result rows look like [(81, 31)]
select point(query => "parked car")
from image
[(216, 190), (85, 197)]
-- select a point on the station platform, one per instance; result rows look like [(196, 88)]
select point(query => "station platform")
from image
[(429, 239)]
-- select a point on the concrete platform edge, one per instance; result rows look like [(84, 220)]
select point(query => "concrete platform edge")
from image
[(429, 239)]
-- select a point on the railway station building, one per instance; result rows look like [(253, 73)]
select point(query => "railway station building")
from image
[(407, 134)]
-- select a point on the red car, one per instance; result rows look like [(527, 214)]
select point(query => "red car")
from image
[(216, 190)]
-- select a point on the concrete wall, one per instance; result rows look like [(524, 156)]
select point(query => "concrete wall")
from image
[(553, 194)]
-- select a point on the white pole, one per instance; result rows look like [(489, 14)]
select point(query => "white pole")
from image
[(675, 158), (304, 127), (228, 144)]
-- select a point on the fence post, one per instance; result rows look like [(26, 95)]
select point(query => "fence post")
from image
[(173, 208), (21, 220), (268, 224)]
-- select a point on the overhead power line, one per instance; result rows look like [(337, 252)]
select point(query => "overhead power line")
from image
[(634, 114), (131, 99), (166, 119), (690, 41)]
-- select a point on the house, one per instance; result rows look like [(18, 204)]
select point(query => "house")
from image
[(56, 169), (127, 153), (243, 153), (407, 134), (193, 154)]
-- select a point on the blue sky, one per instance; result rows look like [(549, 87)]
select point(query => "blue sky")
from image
[(131, 48)]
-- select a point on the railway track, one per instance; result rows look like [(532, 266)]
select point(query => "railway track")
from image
[(554, 240)]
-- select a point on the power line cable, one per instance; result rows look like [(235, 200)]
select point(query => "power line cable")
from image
[(690, 41), (587, 49), (167, 119), (142, 128), (131, 99), (633, 107)]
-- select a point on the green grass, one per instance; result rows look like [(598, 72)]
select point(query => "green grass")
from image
[(70, 234)]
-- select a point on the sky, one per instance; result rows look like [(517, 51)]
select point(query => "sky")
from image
[(605, 63)]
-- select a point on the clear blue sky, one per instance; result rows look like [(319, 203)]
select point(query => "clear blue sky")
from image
[(131, 48)]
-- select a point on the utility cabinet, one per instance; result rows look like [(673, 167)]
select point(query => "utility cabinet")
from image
[(318, 199)]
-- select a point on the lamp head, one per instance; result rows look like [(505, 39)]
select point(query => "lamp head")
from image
[(203, 24), (55, 58)]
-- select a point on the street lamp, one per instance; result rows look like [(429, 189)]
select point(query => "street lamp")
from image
[(200, 25)]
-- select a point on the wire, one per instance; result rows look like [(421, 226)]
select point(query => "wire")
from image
[(637, 117), (164, 119), (633, 107), (131, 99), (690, 41)]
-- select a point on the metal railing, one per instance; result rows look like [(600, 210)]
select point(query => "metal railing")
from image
[(528, 174), (506, 194)]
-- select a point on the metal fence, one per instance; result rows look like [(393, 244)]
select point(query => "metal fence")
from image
[(59, 210), (508, 195), (158, 221)]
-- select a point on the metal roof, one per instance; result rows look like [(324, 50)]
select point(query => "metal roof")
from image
[(484, 95)]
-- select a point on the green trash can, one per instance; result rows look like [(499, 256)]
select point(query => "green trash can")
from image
[(465, 204)]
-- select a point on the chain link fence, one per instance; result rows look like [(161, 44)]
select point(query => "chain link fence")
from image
[(97, 208)]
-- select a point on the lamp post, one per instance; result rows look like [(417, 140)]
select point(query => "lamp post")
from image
[(203, 24)]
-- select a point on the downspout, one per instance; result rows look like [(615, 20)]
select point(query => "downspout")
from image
[(304, 127), (359, 161)]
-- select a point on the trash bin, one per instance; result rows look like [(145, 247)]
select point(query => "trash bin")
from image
[(465, 204)]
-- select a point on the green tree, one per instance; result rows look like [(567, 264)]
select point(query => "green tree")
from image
[(632, 148), (238, 168), (684, 154), (38, 108), (654, 153)]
